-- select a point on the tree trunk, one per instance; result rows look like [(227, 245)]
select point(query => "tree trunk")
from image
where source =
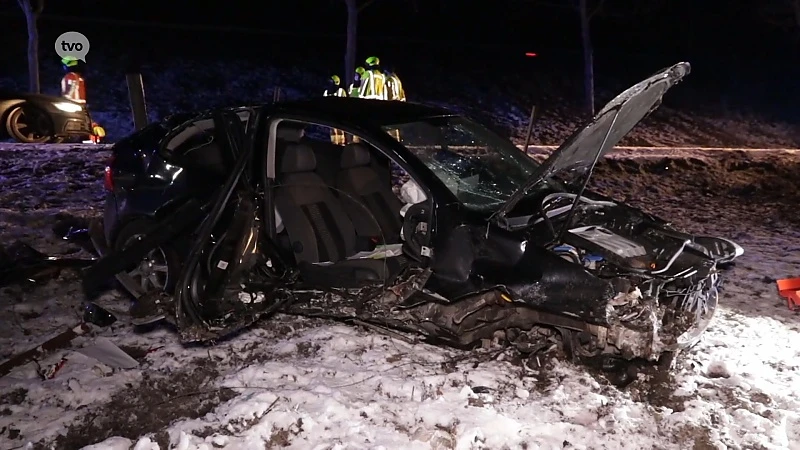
[(796, 10), (588, 58), (33, 47), (350, 51)]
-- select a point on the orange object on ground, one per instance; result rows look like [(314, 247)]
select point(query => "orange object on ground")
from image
[(98, 133), (789, 288)]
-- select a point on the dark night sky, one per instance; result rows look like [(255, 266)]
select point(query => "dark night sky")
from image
[(733, 49), (689, 26)]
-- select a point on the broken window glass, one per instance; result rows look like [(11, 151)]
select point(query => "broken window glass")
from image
[(480, 168)]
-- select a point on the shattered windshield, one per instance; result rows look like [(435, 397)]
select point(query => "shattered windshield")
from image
[(479, 167)]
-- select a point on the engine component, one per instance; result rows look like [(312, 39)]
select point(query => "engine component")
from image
[(568, 252), (612, 242)]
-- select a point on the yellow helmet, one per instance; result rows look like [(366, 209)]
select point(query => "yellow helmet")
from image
[(69, 61), (336, 80), (373, 61)]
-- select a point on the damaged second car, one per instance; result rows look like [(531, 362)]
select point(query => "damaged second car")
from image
[(422, 222)]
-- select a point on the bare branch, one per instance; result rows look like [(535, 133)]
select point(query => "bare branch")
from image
[(365, 5), (596, 8)]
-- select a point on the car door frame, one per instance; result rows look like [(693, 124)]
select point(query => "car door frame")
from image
[(271, 123)]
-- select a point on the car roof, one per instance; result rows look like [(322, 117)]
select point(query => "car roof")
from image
[(358, 110)]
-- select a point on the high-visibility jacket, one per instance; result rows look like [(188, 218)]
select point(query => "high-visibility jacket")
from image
[(355, 88), (337, 136), (338, 92), (73, 87), (373, 85), (394, 88)]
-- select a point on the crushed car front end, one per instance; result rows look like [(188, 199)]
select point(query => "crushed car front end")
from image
[(646, 287)]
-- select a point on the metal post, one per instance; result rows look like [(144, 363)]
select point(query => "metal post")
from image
[(136, 97), (276, 94), (530, 130)]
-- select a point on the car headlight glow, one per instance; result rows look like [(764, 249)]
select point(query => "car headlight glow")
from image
[(68, 107)]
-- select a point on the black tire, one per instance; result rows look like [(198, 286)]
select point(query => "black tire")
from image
[(160, 269), (29, 125)]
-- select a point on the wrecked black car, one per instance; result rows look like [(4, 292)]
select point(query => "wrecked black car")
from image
[(424, 222)]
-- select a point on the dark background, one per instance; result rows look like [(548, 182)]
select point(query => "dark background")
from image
[(743, 52)]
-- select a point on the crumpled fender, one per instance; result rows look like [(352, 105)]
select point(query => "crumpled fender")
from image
[(550, 283)]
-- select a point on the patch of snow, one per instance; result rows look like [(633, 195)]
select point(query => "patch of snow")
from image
[(301, 383)]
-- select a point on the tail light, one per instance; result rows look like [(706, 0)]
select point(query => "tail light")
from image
[(108, 177)]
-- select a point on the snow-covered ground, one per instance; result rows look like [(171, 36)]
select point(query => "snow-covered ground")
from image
[(307, 384)]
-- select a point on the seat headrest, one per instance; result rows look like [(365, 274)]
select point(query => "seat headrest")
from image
[(355, 155), (298, 158), (288, 133)]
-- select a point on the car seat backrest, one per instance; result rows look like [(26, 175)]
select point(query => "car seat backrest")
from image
[(328, 156), (289, 133), (318, 228), (367, 193)]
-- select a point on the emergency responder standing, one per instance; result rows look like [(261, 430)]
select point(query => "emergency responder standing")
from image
[(73, 86), (374, 84), (394, 88), (336, 90), (358, 80)]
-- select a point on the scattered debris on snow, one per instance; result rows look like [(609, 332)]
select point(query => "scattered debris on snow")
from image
[(301, 383)]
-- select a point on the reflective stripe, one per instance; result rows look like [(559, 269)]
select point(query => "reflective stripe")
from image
[(374, 86), (340, 92)]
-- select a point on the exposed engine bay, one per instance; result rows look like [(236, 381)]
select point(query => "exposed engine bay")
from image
[(665, 282)]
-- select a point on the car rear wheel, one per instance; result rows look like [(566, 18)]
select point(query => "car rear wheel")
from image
[(29, 125), (159, 269)]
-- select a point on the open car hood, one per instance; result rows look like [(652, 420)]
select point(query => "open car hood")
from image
[(578, 155)]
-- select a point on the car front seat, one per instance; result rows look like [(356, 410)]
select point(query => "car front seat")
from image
[(321, 235), (366, 192)]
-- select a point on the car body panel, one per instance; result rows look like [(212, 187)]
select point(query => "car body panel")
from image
[(568, 258)]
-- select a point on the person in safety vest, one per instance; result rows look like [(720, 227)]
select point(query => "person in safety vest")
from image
[(394, 88), (374, 84), (73, 86), (358, 80), (336, 90)]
